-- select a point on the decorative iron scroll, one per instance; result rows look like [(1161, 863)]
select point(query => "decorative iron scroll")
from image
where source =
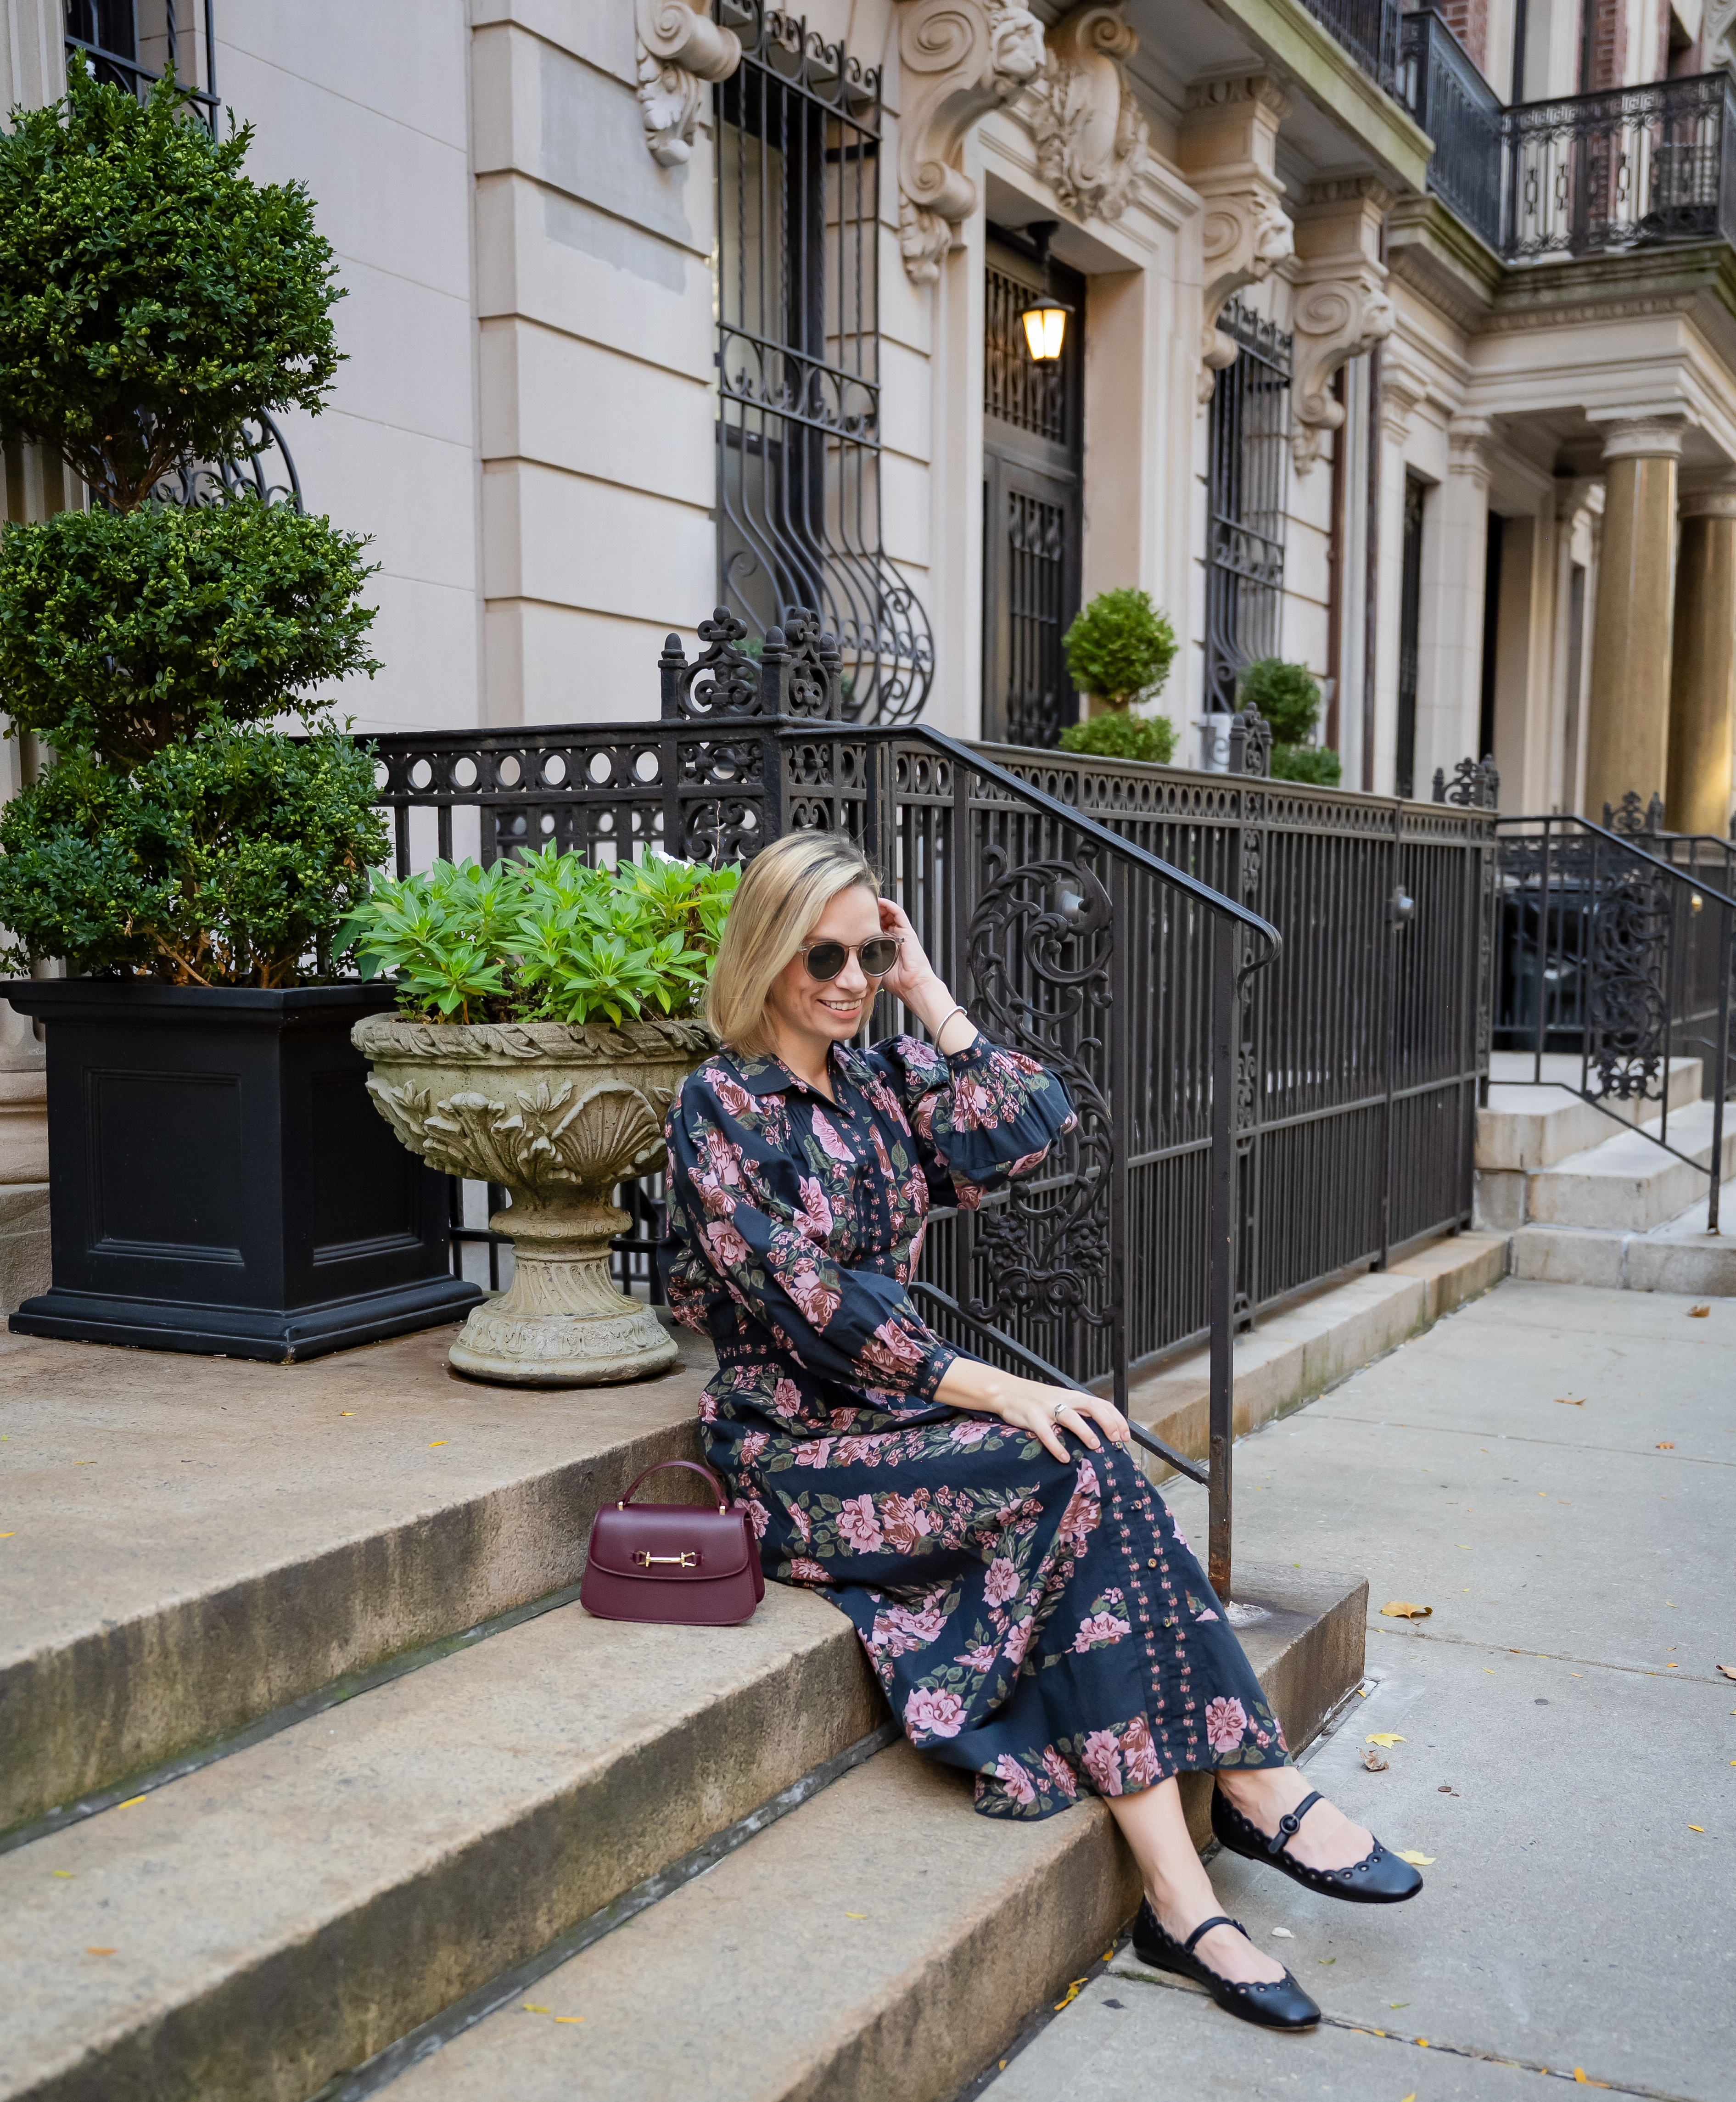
[(1250, 744), (1044, 928), (1628, 1004), (1630, 820), (265, 470), (1474, 785), (796, 672)]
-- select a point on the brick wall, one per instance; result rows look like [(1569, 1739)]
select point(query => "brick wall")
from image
[(1468, 21), (1608, 56)]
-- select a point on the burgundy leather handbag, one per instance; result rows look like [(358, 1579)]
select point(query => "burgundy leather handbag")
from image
[(676, 1563)]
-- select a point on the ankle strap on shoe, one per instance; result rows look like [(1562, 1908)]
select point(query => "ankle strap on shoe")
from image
[(1289, 1823), (1205, 1925)]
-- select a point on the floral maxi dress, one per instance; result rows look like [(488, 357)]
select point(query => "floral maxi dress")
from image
[(1040, 1623)]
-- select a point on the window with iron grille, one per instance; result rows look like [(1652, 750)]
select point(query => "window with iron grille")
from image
[(1248, 477), (1409, 633), (132, 43), (798, 431)]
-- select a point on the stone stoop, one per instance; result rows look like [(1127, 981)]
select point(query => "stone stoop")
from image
[(1309, 1347), (1598, 1205)]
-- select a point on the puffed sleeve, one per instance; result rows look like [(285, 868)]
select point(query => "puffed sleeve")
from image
[(730, 1217), (980, 1116)]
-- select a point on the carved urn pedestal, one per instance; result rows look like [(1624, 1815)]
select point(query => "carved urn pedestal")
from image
[(560, 1115)]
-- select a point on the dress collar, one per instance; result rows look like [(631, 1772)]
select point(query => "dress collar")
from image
[(770, 1076)]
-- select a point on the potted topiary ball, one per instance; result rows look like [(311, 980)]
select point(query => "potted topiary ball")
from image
[(548, 1011), (218, 1180), (1288, 696), (1119, 649)]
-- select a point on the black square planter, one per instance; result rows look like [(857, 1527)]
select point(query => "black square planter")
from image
[(220, 1179)]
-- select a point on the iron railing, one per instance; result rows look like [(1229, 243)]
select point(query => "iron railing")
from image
[(1625, 168), (1368, 29), (1247, 484), (1442, 88), (119, 40), (1254, 1119), (1616, 949)]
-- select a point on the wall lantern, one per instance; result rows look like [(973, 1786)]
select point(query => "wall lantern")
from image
[(1043, 316)]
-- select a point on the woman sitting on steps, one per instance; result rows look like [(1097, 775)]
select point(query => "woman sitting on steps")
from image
[(1021, 1588)]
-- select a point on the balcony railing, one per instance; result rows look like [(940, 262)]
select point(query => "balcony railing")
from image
[(1368, 29), (1624, 169)]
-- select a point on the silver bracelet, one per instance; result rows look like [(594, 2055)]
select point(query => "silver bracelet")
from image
[(945, 1019)]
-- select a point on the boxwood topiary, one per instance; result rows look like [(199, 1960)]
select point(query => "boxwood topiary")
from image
[(1119, 648), (1288, 696), (1123, 736)]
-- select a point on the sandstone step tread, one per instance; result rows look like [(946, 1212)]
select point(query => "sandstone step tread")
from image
[(292, 1909), (198, 1541), (1678, 1256), (1629, 1183), (1526, 1127)]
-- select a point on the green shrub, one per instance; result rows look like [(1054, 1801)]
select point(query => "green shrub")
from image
[(151, 298), (545, 937), (1287, 695), (1123, 736), (1312, 763), (123, 633), (235, 859), (1119, 648)]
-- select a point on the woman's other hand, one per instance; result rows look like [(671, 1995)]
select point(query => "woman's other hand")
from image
[(1029, 1406)]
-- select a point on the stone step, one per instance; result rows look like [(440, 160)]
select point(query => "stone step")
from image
[(1629, 1184), (1680, 1256), (1305, 1348), (250, 1929), (1526, 1127), (195, 1542), (881, 1941)]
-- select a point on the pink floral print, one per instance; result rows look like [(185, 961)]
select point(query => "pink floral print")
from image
[(1226, 1724)]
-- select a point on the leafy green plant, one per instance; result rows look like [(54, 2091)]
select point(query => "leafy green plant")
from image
[(1288, 696), (152, 299), (1313, 763), (125, 633), (1119, 648), (233, 860), (545, 937), (1123, 736)]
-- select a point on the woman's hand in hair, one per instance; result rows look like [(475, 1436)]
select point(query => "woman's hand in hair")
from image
[(913, 980), (1029, 1405)]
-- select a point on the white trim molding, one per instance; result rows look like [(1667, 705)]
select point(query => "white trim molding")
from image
[(681, 51), (1091, 133), (957, 59), (1341, 308)]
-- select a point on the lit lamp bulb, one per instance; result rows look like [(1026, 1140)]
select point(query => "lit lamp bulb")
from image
[(1045, 329)]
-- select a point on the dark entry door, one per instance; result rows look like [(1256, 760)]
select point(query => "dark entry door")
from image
[(1033, 457)]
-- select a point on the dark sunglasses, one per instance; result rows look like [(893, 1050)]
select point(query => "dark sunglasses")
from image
[(825, 960)]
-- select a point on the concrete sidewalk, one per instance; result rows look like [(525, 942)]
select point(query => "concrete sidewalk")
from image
[(1565, 1728)]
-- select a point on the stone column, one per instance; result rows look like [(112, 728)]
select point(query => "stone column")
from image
[(1449, 703), (1702, 662), (1627, 727)]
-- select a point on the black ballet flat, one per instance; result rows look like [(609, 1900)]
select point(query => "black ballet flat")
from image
[(1281, 2004), (1380, 1878)]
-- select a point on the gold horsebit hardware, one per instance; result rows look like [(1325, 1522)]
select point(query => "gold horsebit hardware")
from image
[(684, 1561)]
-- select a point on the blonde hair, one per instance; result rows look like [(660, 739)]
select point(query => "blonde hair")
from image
[(785, 888)]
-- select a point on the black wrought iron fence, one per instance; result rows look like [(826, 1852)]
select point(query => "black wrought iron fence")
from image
[(1614, 959), (1256, 1115), (1445, 91), (1368, 29)]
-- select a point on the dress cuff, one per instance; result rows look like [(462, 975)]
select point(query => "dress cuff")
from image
[(940, 1359), (978, 1052)]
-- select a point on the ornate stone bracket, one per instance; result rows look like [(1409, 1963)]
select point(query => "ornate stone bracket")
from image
[(1090, 131), (958, 60), (1341, 308), (680, 51), (1228, 150)]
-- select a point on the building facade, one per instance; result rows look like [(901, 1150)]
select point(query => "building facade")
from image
[(1399, 344)]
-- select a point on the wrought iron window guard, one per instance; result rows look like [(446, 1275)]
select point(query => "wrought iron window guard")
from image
[(1248, 481), (1253, 1120), (1611, 948), (105, 34), (1581, 174)]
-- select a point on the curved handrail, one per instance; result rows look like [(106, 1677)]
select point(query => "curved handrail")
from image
[(1704, 890), (1214, 901)]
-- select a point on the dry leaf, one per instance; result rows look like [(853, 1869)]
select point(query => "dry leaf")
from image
[(435, 1442), (1728, 1670), (1372, 1761), (346, 1411), (1668, 1445), (1698, 1313), (570, 2018), (1416, 1860), (1387, 1737), (530, 2010), (98, 1952), (1071, 1994), (1567, 1401), (1696, 1827), (856, 1915), (8, 1536), (129, 1802), (66, 1875), (1402, 1609)]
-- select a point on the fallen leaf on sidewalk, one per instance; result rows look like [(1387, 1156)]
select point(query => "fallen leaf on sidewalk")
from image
[(1402, 1609), (1416, 1860), (1071, 1994), (1568, 1401), (1387, 1737), (1696, 1827), (530, 2010), (570, 2018), (1372, 1761), (98, 1952), (1585, 2079), (1698, 1313), (1728, 1670), (1668, 1445)]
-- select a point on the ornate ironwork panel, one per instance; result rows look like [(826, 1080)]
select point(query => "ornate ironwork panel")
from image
[(1368, 29), (798, 434), (1444, 89), (1247, 477)]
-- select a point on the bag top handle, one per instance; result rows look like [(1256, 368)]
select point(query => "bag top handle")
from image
[(693, 1467)]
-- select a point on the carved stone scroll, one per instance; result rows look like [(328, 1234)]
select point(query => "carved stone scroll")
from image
[(681, 50), (958, 60), (1090, 131), (1341, 307), (1228, 145)]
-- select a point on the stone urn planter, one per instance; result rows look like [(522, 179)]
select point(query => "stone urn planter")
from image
[(560, 1114)]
